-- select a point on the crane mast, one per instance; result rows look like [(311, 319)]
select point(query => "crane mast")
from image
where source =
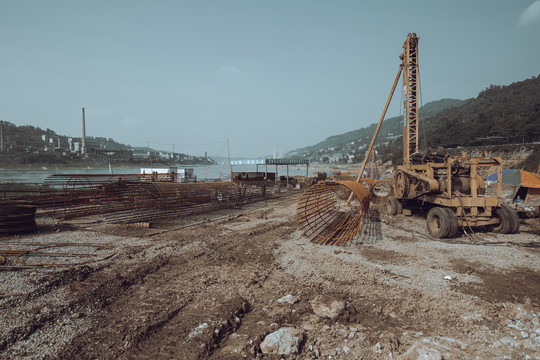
[(410, 84)]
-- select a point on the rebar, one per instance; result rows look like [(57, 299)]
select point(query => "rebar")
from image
[(17, 217), (131, 198), (325, 215)]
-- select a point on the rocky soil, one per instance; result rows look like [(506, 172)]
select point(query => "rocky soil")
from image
[(244, 283)]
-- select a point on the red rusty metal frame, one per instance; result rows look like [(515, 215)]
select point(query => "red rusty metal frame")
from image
[(326, 215), (128, 198)]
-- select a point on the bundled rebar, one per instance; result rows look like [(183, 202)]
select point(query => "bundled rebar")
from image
[(127, 201), (16, 217), (130, 198), (138, 202)]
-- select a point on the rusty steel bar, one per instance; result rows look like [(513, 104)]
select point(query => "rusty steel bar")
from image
[(129, 202), (17, 217), (326, 214), (130, 198), (152, 201), (18, 255)]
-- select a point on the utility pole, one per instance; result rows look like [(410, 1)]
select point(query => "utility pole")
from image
[(83, 142), (230, 165), (149, 153)]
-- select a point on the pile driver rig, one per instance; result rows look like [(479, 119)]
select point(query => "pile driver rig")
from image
[(449, 187)]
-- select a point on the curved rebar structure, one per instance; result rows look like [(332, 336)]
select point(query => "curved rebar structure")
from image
[(326, 216)]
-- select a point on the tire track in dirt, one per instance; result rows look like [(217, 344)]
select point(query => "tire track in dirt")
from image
[(89, 291), (192, 302)]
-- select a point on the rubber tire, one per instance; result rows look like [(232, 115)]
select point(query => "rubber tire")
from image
[(438, 222), (514, 229), (454, 227), (506, 223), (399, 207), (392, 206)]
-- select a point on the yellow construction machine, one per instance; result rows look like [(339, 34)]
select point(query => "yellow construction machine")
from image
[(448, 187)]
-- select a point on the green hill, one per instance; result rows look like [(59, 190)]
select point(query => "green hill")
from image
[(498, 115), (30, 145), (353, 141)]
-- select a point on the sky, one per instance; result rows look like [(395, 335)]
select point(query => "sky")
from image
[(269, 76)]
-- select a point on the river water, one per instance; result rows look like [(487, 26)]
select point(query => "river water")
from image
[(209, 172)]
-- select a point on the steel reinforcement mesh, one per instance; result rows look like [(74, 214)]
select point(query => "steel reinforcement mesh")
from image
[(127, 199), (328, 214)]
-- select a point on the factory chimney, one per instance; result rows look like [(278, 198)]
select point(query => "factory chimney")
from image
[(1, 135), (83, 143)]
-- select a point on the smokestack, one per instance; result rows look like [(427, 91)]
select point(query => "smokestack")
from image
[(83, 142), (1, 135)]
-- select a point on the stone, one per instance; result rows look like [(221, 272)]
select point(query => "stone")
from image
[(327, 307), (421, 352), (288, 299), (284, 341), (346, 349), (45, 310), (198, 330)]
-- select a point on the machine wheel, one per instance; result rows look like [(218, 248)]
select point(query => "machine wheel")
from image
[(453, 223), (505, 226), (438, 222), (514, 229), (401, 185), (392, 206)]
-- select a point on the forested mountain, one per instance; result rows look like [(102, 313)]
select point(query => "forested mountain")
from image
[(28, 138), (352, 142), (498, 115)]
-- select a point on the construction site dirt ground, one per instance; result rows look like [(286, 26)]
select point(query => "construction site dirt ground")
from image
[(215, 285)]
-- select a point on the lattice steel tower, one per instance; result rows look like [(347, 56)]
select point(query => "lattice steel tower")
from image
[(410, 84)]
